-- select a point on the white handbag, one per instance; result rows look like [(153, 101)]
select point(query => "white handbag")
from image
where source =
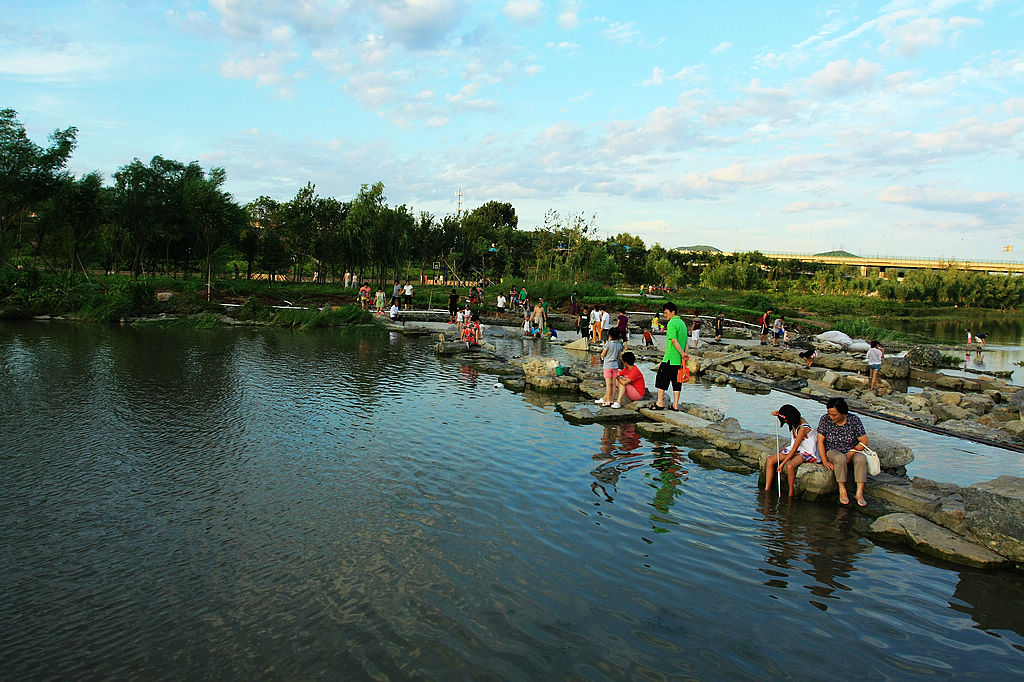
[(874, 464)]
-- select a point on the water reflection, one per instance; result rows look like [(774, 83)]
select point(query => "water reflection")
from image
[(815, 540)]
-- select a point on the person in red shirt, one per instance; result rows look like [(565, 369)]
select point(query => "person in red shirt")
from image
[(631, 381), (764, 322)]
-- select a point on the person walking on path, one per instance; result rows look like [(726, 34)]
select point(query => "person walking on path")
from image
[(501, 305), (675, 348), (378, 300), (719, 326), (842, 439), (763, 321), (874, 359), (595, 324)]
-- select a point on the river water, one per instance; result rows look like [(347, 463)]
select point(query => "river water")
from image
[(238, 504)]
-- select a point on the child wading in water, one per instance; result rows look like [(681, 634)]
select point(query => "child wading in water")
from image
[(802, 448)]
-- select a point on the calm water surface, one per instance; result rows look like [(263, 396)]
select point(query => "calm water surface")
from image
[(234, 504)]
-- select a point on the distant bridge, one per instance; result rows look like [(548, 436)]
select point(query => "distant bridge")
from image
[(894, 263)]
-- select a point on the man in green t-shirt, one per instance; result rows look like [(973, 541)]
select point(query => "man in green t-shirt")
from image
[(668, 371)]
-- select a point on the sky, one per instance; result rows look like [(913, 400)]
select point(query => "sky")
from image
[(880, 128)]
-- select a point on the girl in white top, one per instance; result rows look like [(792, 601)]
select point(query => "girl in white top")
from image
[(803, 448), (874, 359)]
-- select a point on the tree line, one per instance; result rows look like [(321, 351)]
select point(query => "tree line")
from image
[(169, 217)]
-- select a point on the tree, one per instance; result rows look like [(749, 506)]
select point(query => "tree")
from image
[(29, 174), (212, 213)]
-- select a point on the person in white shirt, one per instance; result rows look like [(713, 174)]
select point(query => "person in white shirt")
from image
[(606, 321), (501, 304), (874, 359), (393, 313), (407, 291)]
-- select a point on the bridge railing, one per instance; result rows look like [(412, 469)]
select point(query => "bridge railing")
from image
[(853, 260)]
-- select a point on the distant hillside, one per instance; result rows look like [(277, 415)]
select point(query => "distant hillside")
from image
[(838, 254), (699, 248)]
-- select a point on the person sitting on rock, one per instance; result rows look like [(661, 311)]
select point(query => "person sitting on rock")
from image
[(802, 448), (631, 381), (842, 439)]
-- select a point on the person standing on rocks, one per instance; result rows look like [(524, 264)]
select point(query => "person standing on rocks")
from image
[(763, 321), (696, 330), (802, 448), (622, 322), (453, 305), (610, 367), (874, 359), (719, 326), (842, 439), (675, 348), (407, 293)]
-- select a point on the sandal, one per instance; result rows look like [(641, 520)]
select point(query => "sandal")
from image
[(656, 407), (844, 502), (674, 408), (861, 502)]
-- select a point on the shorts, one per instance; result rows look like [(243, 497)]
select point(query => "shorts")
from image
[(632, 393), (668, 374), (611, 372), (764, 329), (779, 334), (875, 367), (408, 298), (452, 310)]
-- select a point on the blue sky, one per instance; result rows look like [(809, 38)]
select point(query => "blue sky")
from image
[(876, 127)]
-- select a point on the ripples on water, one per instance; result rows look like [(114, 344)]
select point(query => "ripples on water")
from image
[(236, 504)]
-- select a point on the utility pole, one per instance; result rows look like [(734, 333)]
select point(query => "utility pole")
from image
[(458, 203)]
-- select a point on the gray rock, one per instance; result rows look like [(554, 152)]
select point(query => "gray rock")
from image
[(938, 502), (516, 384), (891, 453), (969, 427), (895, 368), (550, 382), (590, 413), (712, 414), (1016, 400), (944, 412), (952, 383), (932, 539), (995, 515), (924, 356)]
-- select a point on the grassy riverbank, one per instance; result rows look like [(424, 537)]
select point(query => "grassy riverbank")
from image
[(27, 293)]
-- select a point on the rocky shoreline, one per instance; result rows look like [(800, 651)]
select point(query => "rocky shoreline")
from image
[(981, 525)]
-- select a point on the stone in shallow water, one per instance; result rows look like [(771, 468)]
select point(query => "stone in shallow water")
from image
[(591, 413), (932, 539), (995, 514)]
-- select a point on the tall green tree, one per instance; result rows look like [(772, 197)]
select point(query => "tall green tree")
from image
[(29, 173)]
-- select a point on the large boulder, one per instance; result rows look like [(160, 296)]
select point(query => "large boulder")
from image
[(938, 502), (1016, 400), (924, 356), (945, 411), (550, 382), (973, 429), (932, 539), (994, 513), (891, 453), (895, 368)]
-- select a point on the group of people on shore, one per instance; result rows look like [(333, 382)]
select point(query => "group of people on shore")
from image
[(839, 441)]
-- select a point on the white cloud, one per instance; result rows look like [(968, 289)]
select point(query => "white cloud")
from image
[(68, 64), (622, 32), (419, 24), (569, 16), (907, 32), (523, 11), (721, 47), (843, 77), (801, 206), (996, 209), (657, 77), (268, 69)]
